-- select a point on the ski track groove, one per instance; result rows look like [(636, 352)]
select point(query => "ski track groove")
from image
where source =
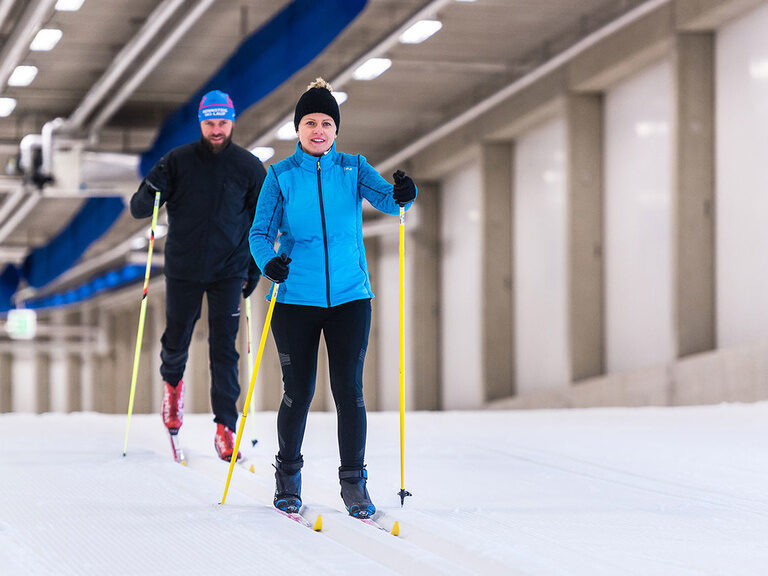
[(399, 554), (686, 492)]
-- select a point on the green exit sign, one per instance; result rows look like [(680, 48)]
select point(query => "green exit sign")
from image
[(21, 324)]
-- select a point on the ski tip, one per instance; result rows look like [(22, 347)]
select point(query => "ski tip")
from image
[(318, 526), (252, 470), (395, 529), (183, 462)]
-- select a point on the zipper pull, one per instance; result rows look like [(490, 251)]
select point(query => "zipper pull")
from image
[(318, 165)]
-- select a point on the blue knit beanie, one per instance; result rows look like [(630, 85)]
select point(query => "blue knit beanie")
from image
[(216, 104)]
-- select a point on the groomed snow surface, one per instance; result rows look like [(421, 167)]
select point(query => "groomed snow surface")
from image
[(650, 491)]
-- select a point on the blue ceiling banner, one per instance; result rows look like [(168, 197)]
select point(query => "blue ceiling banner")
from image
[(108, 281), (95, 217), (266, 59)]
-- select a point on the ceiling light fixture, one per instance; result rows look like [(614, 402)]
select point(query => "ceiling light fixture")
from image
[(22, 76), (7, 106), (341, 97), (69, 5), (287, 131), (263, 153), (372, 68), (420, 31), (45, 40)]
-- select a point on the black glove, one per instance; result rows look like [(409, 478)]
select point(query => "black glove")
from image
[(276, 270), (249, 286), (405, 189), (157, 179)]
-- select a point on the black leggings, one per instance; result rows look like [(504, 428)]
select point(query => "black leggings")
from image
[(296, 330)]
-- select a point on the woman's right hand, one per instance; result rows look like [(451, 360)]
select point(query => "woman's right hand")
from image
[(276, 270)]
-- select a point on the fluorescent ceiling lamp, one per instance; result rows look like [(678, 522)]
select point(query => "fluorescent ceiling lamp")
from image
[(420, 31), (69, 5), (758, 69), (45, 40), (287, 131), (341, 97), (22, 76), (6, 106), (263, 153), (372, 68)]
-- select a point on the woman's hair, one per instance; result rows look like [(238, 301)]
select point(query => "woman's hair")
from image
[(320, 83)]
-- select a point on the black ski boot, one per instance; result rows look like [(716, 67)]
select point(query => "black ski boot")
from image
[(355, 493), (288, 484)]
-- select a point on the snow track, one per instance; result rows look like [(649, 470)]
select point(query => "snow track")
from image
[(646, 492)]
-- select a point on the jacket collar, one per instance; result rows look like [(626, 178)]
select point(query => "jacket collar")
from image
[(309, 162)]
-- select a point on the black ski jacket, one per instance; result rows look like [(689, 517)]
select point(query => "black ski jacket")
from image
[(210, 199)]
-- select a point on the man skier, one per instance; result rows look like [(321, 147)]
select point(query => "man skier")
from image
[(210, 188)]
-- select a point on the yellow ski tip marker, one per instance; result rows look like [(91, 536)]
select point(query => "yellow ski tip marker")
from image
[(395, 529), (252, 470), (318, 524)]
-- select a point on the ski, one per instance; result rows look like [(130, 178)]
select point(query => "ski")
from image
[(299, 519), (395, 531), (178, 453)]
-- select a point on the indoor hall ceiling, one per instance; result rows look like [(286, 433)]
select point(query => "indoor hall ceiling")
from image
[(482, 46)]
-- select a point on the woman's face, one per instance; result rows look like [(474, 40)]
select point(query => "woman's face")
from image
[(316, 133)]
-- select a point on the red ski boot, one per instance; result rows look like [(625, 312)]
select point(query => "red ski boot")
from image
[(173, 406), (225, 443)]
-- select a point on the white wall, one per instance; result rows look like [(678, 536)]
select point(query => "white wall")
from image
[(742, 180), (387, 306), (541, 322), (638, 218), (461, 226)]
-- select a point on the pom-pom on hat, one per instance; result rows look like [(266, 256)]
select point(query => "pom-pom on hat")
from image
[(317, 99), (216, 104)]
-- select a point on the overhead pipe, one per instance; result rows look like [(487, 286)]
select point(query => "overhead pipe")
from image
[(18, 43), (125, 58), (5, 8), (149, 65)]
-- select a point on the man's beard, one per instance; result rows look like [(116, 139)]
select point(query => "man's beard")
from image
[(219, 146)]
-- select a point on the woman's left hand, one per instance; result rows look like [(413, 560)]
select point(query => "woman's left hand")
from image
[(405, 189)]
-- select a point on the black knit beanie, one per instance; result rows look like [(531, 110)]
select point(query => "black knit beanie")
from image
[(316, 100)]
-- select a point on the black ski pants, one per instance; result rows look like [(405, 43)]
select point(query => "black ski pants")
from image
[(183, 301), (296, 330)]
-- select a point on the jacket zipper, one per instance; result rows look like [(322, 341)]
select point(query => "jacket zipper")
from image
[(325, 238)]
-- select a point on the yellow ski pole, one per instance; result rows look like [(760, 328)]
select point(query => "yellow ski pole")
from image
[(403, 492), (142, 314), (255, 371), (254, 441)]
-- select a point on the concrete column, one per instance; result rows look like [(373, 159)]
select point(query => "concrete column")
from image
[(5, 382), (694, 270), (496, 297), (43, 386), (371, 383), (197, 374), (24, 384), (584, 119), (87, 366), (157, 320), (58, 372), (105, 379), (423, 245)]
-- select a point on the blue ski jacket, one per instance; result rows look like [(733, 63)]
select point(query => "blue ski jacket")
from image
[(316, 205)]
